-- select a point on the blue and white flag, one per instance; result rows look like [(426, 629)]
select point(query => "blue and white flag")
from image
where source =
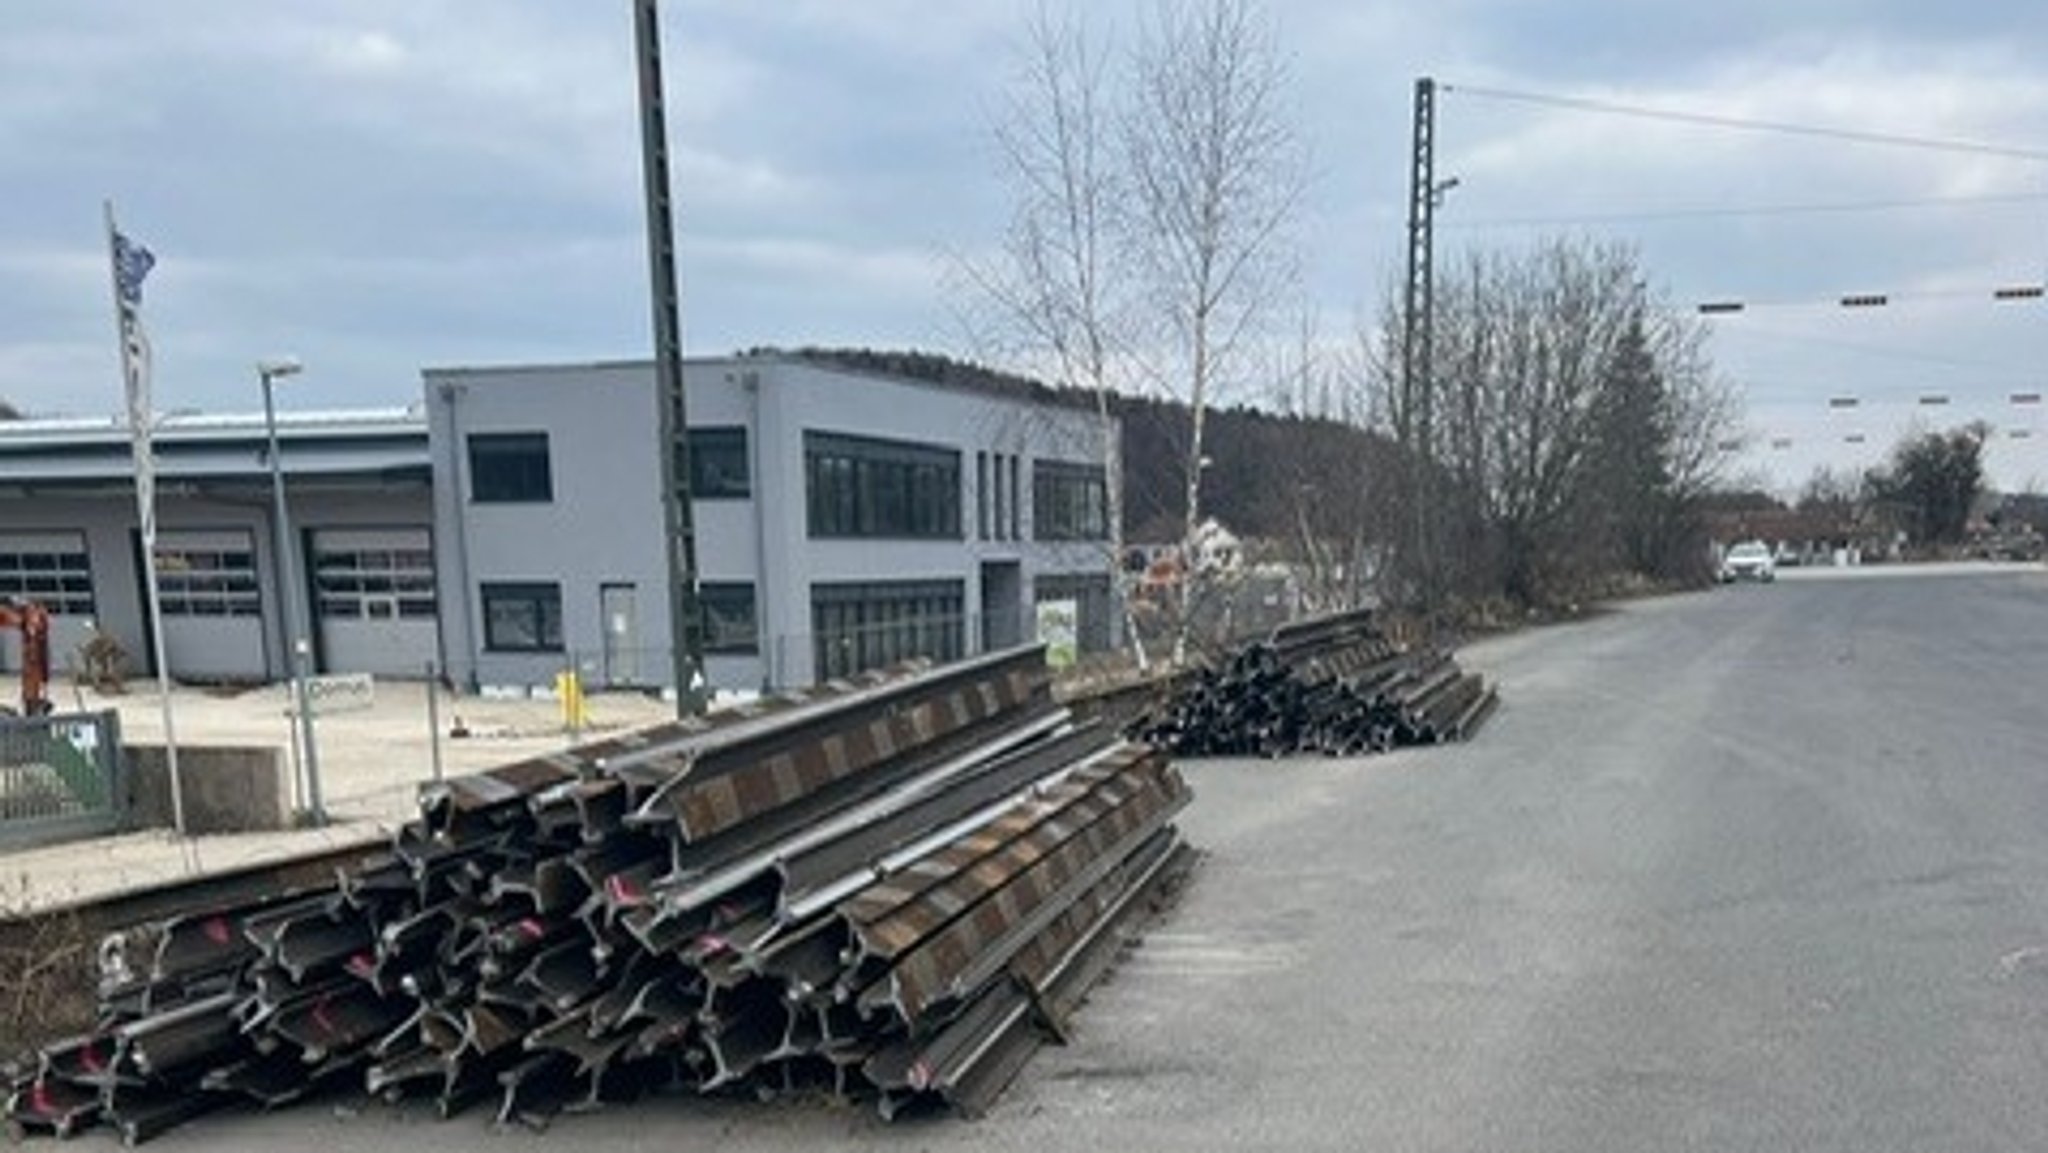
[(132, 263)]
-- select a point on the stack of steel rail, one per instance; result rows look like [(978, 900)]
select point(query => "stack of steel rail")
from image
[(890, 888), (1333, 685)]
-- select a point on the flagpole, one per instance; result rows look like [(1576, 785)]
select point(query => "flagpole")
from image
[(135, 379)]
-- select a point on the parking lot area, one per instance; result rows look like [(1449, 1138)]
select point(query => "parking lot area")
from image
[(372, 762)]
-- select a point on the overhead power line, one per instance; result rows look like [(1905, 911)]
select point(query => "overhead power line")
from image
[(1741, 123), (1784, 443), (1827, 391), (1755, 210), (2001, 294)]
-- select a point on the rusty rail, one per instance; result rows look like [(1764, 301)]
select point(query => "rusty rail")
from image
[(1332, 685), (891, 888)]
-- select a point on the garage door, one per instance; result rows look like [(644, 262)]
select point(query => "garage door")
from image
[(53, 570), (375, 600), (212, 611)]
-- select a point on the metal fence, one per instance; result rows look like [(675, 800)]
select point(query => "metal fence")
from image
[(61, 778), (799, 658)]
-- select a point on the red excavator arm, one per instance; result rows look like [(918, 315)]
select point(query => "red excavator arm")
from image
[(33, 621)]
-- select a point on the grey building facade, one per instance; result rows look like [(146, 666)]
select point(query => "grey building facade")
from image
[(361, 521), (510, 528), (844, 519)]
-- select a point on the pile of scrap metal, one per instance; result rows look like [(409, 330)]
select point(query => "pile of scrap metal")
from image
[(890, 888), (1333, 685)]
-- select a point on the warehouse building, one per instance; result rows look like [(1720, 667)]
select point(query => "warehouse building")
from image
[(362, 521), (511, 527)]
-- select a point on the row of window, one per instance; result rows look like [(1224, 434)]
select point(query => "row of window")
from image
[(526, 617), (514, 467), (1068, 501), (369, 584), (867, 625), (856, 626), (59, 581), (375, 584), (853, 486), (13, 563), (999, 514), (861, 487), (222, 583), (207, 583)]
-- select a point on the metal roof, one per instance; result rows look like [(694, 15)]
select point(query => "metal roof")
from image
[(357, 442)]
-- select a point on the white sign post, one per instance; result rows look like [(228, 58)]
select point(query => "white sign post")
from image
[(1059, 630)]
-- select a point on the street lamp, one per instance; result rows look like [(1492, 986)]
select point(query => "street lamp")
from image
[(270, 371)]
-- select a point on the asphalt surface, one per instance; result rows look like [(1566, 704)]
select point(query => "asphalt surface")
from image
[(1759, 869)]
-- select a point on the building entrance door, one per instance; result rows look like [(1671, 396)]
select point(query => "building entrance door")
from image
[(619, 607), (1002, 604)]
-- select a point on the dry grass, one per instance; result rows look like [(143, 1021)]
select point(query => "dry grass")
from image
[(46, 973)]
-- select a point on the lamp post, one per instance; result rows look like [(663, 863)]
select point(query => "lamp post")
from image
[(270, 371)]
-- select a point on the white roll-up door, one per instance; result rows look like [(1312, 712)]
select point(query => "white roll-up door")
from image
[(374, 598), (53, 570), (212, 610)]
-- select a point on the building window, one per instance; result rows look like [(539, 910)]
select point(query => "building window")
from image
[(858, 487), (730, 627), (54, 573), (1001, 517), (981, 495), (522, 618), (718, 464), (865, 626), (378, 584), (207, 583), (509, 468), (1068, 501), (1016, 500)]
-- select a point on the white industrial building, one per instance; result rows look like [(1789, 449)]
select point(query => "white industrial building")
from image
[(510, 526)]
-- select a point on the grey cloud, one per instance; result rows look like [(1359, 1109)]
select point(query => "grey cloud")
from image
[(378, 184)]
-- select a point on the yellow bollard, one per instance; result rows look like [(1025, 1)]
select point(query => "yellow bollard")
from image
[(569, 691)]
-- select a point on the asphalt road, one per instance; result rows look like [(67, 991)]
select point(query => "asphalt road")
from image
[(1760, 869)]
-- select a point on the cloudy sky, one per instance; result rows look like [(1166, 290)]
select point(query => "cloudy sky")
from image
[(377, 185)]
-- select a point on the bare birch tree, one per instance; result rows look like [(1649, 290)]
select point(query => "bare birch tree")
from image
[(1056, 286), (1149, 208), (1216, 177)]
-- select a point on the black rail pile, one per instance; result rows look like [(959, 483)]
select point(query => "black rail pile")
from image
[(890, 889), (1334, 685)]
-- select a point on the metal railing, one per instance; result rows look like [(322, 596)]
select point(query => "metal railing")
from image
[(61, 778)]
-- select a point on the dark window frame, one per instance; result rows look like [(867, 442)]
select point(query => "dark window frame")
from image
[(1069, 501), (714, 451), (858, 487), (59, 580), (711, 592), (1016, 497), (861, 625), (207, 582), (981, 493), (544, 597), (1001, 507), (348, 583), (505, 472)]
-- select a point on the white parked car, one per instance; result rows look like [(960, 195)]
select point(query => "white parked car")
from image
[(1749, 561)]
